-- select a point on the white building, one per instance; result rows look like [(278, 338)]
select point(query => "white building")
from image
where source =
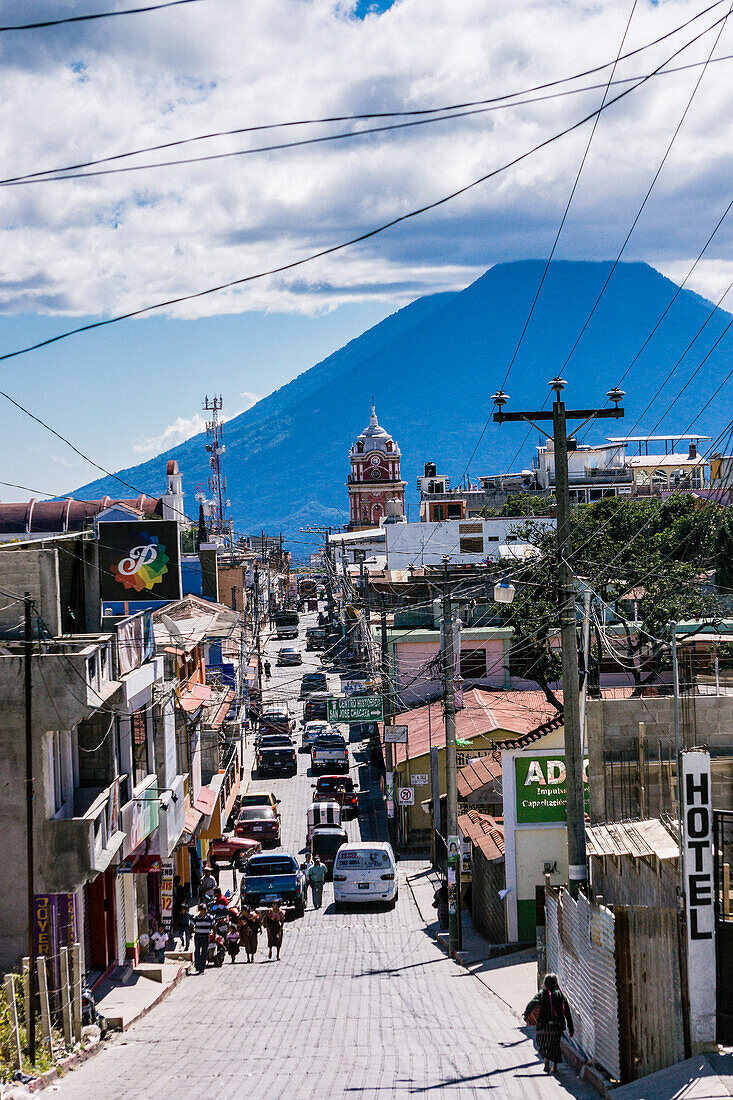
[(469, 542)]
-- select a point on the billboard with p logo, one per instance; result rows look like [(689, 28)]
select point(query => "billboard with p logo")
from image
[(140, 561)]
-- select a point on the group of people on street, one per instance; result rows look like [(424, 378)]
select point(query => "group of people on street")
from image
[(243, 927)]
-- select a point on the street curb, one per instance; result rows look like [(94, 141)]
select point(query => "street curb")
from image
[(73, 1061)]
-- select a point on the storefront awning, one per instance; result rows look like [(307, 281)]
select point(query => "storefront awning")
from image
[(216, 719), (194, 818), (140, 865), (205, 801), (195, 697)]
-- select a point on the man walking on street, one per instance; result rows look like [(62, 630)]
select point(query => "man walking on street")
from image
[(201, 930), (316, 878)]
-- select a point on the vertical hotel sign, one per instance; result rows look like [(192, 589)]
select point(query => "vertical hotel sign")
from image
[(697, 824)]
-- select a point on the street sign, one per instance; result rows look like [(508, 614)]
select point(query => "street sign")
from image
[(406, 796), (395, 735), (358, 708), (419, 780)]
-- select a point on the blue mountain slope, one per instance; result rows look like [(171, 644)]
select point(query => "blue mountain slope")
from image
[(432, 368)]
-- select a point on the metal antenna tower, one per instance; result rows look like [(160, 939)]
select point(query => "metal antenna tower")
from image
[(217, 483)]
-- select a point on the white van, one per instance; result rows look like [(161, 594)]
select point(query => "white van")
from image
[(365, 872)]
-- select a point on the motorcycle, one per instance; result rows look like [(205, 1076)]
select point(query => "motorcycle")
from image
[(216, 949), (90, 1014)]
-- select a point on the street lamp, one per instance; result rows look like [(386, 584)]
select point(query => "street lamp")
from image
[(504, 590)]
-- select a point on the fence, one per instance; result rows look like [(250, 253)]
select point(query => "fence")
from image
[(581, 945)]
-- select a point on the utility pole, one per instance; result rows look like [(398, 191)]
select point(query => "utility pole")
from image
[(577, 866), (256, 627), (387, 712), (28, 656), (451, 769)]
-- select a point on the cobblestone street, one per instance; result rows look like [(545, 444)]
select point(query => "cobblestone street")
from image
[(362, 1004)]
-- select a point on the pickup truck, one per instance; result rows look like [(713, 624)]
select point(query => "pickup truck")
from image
[(270, 877), (329, 753), (275, 721), (235, 850), (276, 753)]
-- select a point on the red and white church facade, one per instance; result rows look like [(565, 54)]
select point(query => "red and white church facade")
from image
[(375, 476)]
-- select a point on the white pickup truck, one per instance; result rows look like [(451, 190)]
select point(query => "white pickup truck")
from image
[(329, 753)]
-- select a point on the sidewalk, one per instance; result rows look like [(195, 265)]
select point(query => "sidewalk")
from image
[(131, 992), (510, 977), (705, 1077)]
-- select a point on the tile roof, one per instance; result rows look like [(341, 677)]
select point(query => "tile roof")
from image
[(478, 773), (484, 831), (483, 713)]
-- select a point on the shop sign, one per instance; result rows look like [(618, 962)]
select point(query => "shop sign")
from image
[(395, 735), (144, 818), (167, 871), (465, 756), (140, 561), (46, 909), (697, 819), (540, 788), (357, 708), (419, 779)]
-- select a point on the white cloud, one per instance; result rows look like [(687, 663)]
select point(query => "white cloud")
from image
[(247, 401), (182, 428), (115, 243)]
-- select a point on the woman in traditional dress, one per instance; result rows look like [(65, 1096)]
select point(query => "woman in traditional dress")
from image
[(551, 1008), (274, 921), (250, 923)]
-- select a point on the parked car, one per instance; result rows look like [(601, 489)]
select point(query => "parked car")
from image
[(233, 850), (316, 707), (259, 823), (260, 798), (338, 788), (312, 681), (276, 753), (315, 637), (311, 731), (326, 841), (274, 877), (365, 872), (289, 657), (330, 753)]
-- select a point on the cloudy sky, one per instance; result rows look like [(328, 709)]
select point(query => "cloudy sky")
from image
[(71, 251)]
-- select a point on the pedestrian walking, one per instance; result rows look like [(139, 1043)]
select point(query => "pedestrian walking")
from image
[(250, 923), (232, 938), (274, 921), (159, 940), (268, 670), (316, 877), (183, 927), (552, 1012), (208, 884), (305, 868), (202, 926)]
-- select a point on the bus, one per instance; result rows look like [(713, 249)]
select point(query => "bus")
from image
[(286, 624), (307, 588)]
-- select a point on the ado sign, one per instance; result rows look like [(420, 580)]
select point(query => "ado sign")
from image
[(541, 792)]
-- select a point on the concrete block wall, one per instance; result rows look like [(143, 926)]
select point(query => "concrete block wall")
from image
[(35, 571)]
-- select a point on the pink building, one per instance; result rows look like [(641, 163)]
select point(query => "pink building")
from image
[(375, 476)]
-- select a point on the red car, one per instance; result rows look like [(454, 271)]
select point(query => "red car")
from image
[(338, 788), (259, 823), (235, 850)]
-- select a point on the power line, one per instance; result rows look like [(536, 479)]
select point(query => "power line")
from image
[(94, 15), (61, 174), (366, 116), (353, 240)]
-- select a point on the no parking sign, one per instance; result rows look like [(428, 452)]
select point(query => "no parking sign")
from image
[(406, 796)]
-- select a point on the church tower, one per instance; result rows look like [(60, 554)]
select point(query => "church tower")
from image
[(375, 476)]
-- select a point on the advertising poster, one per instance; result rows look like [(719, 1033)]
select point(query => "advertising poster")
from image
[(140, 561), (540, 788)]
